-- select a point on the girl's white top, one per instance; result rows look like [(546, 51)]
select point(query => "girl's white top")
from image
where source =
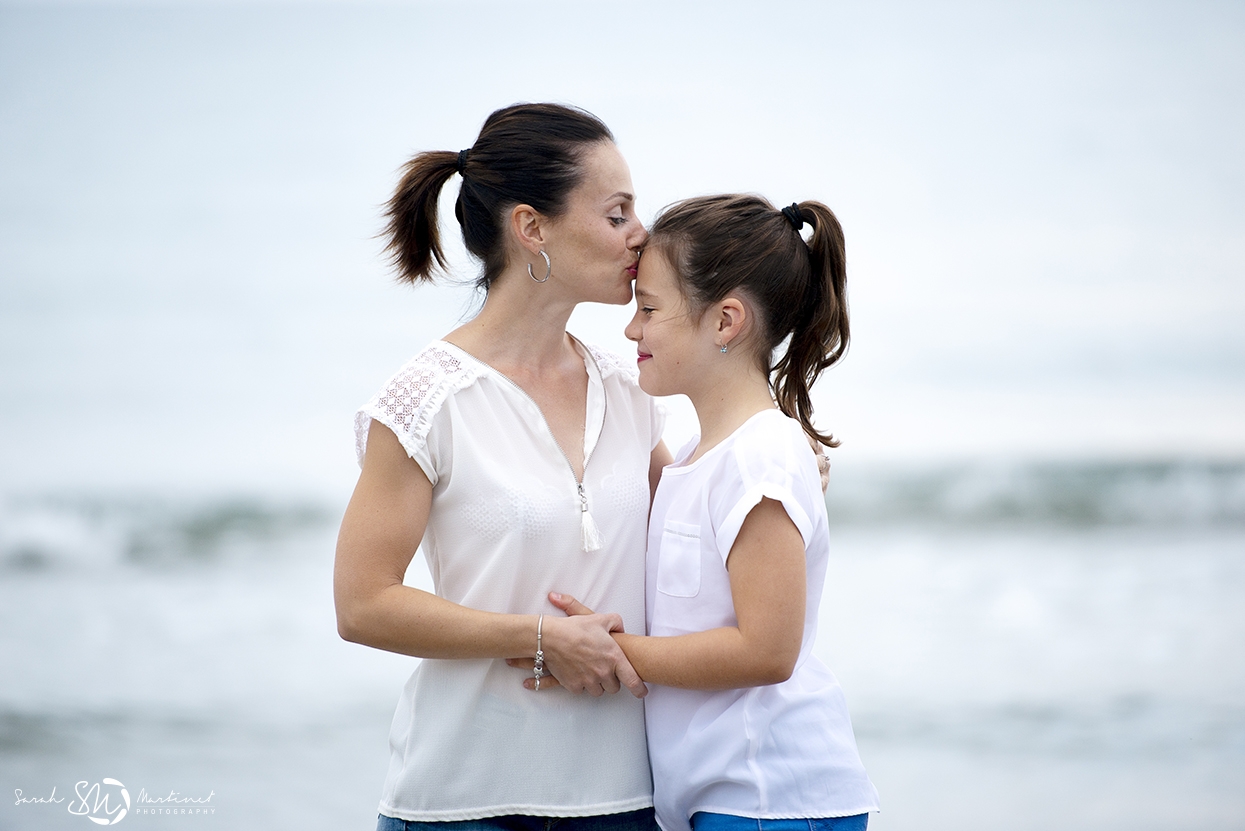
[(468, 741), (779, 751)]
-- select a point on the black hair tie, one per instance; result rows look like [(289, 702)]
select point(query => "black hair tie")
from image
[(793, 215), (462, 160)]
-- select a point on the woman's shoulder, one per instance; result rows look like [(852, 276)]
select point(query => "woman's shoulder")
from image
[(411, 397), (613, 365), (436, 367)]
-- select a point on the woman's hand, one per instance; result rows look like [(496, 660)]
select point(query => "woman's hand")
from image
[(823, 462), (581, 653)]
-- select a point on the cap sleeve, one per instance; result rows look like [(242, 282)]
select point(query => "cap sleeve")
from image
[(409, 402), (766, 461)]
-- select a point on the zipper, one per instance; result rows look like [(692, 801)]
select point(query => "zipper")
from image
[(590, 535)]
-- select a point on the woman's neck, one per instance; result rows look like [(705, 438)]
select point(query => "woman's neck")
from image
[(521, 329)]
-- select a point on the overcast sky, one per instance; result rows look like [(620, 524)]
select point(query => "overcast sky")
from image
[(1044, 205)]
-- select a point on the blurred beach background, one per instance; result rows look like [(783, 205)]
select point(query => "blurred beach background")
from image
[(1035, 600)]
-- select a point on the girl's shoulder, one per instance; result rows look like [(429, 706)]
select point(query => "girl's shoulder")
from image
[(772, 448), (771, 436)]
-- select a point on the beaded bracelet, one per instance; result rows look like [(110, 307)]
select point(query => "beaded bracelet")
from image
[(539, 669)]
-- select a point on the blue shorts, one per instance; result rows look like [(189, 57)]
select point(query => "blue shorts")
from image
[(641, 820), (704, 821)]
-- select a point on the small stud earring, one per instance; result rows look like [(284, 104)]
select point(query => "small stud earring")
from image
[(723, 349)]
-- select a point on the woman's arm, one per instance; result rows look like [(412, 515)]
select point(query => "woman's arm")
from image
[(380, 533), (767, 576)]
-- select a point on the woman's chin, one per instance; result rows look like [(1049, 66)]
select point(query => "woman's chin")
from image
[(623, 297)]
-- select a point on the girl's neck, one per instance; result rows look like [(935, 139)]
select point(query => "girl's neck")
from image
[(724, 405)]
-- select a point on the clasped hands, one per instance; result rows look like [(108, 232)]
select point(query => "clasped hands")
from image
[(581, 654)]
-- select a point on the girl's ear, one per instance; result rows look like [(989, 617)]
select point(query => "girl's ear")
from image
[(732, 320), (528, 227)]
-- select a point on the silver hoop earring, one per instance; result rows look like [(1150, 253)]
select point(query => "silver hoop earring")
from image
[(548, 267)]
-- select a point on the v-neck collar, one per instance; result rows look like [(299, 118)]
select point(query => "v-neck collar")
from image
[(594, 412)]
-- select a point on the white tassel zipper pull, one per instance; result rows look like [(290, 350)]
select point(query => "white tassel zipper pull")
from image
[(588, 531)]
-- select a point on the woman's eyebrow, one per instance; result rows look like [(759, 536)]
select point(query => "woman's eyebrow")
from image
[(627, 196)]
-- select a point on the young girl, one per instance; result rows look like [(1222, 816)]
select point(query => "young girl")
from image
[(744, 724)]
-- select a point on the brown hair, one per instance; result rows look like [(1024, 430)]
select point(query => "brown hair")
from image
[(525, 154), (742, 243)]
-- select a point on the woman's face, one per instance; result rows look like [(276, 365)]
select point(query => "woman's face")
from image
[(592, 246)]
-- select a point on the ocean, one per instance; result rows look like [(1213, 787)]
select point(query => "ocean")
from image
[(1006, 651), (1038, 511)]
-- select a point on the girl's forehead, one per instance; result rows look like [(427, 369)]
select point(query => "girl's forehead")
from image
[(655, 275)]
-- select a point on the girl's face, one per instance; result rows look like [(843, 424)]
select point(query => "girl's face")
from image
[(676, 348), (594, 243)]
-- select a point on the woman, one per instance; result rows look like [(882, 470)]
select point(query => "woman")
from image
[(521, 459)]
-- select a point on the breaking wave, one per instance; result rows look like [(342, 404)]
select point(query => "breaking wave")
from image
[(1073, 494)]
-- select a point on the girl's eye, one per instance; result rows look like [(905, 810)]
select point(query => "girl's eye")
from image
[(648, 310)]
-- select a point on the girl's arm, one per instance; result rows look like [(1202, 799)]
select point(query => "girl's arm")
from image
[(767, 575), (659, 458), (380, 533)]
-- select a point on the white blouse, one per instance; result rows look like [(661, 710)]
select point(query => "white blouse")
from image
[(778, 751), (507, 526)]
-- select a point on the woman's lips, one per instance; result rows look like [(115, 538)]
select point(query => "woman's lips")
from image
[(642, 357), (633, 270)]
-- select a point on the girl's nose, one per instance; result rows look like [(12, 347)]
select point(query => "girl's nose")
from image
[(633, 329)]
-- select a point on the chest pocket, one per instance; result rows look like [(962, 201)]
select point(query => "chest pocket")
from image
[(678, 570)]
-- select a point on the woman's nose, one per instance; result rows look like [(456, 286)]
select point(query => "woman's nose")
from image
[(640, 237)]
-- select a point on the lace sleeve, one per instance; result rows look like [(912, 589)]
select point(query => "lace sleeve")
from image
[(409, 401)]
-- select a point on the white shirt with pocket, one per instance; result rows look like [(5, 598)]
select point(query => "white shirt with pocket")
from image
[(506, 527), (778, 751)]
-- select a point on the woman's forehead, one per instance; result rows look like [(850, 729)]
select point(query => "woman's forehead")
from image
[(606, 175)]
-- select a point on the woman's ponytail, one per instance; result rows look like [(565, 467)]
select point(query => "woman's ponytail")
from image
[(414, 237), (819, 340)]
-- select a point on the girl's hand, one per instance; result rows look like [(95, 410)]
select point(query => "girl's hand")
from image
[(580, 653)]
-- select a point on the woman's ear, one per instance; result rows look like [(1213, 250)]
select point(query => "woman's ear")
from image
[(732, 320), (528, 227)]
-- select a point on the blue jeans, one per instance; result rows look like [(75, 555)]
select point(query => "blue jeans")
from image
[(704, 821), (641, 820)]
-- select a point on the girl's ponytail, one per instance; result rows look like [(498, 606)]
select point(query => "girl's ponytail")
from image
[(820, 338), (414, 238)]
